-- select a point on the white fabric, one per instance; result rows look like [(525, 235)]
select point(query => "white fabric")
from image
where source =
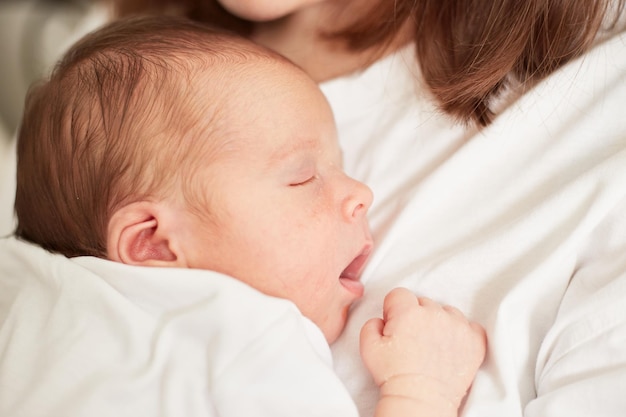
[(521, 225), (89, 337)]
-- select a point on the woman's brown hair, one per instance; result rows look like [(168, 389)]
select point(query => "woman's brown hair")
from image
[(467, 49)]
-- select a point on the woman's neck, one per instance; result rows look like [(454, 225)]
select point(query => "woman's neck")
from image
[(300, 38)]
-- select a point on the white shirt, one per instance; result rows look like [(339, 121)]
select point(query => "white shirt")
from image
[(89, 337), (521, 225)]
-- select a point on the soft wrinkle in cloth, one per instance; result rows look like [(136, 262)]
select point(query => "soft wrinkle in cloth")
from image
[(520, 225), (91, 337)]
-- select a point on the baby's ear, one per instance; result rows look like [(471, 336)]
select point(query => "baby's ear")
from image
[(138, 234)]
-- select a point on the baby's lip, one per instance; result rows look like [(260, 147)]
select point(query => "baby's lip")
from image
[(350, 276), (353, 271)]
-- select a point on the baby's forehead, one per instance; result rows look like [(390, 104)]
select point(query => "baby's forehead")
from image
[(229, 93), (234, 99)]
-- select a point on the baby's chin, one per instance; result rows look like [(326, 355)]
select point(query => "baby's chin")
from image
[(333, 330)]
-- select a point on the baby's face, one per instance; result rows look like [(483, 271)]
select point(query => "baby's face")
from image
[(286, 219)]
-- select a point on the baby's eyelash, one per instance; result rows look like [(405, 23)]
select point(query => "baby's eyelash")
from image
[(308, 180)]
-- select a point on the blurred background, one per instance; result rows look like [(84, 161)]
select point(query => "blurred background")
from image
[(33, 35)]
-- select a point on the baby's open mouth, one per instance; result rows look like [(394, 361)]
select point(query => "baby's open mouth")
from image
[(350, 276), (353, 271)]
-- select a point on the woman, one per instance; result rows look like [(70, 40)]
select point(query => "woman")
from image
[(493, 138)]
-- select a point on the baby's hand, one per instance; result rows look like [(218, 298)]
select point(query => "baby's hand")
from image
[(422, 351)]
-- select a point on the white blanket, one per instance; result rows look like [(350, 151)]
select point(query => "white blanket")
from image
[(90, 337)]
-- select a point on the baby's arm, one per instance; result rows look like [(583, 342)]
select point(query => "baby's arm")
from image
[(422, 355)]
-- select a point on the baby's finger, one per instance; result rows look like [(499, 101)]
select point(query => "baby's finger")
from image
[(477, 344), (371, 331), (399, 295), (454, 311), (479, 330), (397, 300), (427, 302)]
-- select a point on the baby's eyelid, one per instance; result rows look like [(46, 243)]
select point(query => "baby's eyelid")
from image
[(306, 181)]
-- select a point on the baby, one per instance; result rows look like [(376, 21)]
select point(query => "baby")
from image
[(158, 142)]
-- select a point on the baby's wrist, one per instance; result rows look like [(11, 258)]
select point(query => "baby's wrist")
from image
[(424, 392)]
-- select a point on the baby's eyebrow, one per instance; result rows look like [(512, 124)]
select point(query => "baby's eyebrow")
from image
[(292, 149)]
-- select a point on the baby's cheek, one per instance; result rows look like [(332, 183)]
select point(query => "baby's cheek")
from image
[(325, 202)]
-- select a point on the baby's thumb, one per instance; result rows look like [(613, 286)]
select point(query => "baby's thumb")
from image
[(371, 332)]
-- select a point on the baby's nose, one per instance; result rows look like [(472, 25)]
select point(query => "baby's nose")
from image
[(358, 201)]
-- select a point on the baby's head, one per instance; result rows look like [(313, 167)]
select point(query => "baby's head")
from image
[(119, 120), (160, 142)]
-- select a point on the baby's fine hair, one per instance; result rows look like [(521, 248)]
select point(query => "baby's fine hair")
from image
[(115, 123)]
